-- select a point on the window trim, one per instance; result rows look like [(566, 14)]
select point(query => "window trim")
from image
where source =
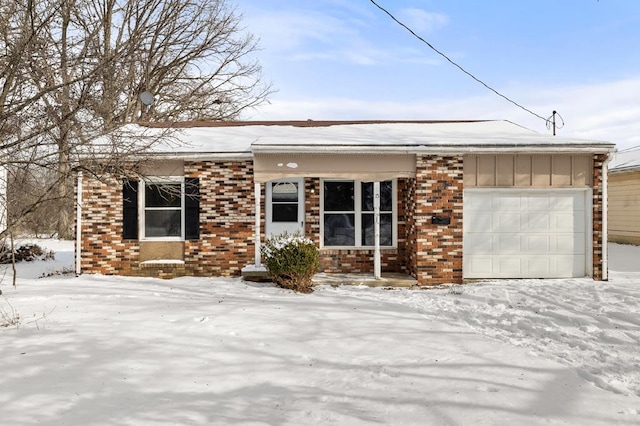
[(358, 215), (160, 180)]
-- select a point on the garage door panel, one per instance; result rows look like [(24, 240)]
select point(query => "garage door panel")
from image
[(537, 202), (524, 234), (539, 265), (479, 243), (535, 222), (483, 202), (509, 243), (567, 222), (506, 222), (510, 203), (536, 244), (481, 220), (510, 266), (567, 266), (498, 243), (563, 221), (574, 202), (480, 265), (569, 243)]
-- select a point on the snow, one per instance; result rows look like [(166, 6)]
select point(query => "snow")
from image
[(105, 350), (625, 160), (256, 137)]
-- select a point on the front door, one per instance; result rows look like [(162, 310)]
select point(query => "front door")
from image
[(285, 206)]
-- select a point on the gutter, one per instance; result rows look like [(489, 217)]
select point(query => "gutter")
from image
[(200, 156), (605, 209), (434, 150), (626, 169)]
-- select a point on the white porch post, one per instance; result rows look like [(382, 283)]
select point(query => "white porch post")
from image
[(257, 260), (605, 218), (79, 226), (377, 274)]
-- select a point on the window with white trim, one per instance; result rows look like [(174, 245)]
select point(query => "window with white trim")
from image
[(163, 206), (348, 215)]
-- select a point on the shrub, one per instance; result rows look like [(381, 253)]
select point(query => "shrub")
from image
[(24, 253), (291, 261)]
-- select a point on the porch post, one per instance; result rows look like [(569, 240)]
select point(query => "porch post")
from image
[(377, 274), (256, 231), (79, 225), (605, 207)]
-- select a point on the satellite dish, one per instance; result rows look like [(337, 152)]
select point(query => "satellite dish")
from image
[(147, 98)]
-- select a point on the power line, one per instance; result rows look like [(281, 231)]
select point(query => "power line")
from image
[(458, 66)]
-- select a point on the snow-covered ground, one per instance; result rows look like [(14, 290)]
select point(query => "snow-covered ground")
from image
[(97, 350)]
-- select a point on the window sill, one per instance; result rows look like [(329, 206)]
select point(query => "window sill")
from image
[(173, 263), (362, 248)]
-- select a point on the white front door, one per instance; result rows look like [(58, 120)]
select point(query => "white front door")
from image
[(285, 206)]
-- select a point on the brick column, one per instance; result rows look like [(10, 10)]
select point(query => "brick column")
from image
[(435, 251), (598, 161)]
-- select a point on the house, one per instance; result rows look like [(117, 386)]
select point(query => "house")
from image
[(458, 200), (624, 197)]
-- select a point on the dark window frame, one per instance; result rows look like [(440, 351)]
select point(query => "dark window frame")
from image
[(342, 237), (134, 208)]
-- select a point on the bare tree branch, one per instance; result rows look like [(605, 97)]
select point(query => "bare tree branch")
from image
[(72, 71)]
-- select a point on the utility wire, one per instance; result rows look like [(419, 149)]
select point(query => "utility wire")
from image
[(456, 65)]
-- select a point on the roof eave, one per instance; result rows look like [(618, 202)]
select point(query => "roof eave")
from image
[(203, 156), (624, 169), (435, 149)]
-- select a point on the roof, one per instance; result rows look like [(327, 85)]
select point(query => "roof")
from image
[(247, 137), (626, 160)]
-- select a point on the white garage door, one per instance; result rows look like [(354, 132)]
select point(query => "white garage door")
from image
[(518, 233)]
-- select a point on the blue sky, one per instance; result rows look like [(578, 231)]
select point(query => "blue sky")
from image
[(346, 59)]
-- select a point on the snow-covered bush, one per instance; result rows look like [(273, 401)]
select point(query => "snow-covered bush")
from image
[(24, 253), (291, 260)]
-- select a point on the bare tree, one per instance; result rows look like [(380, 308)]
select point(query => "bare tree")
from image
[(74, 71), (191, 54)]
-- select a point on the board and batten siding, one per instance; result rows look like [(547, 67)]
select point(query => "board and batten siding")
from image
[(528, 170), (624, 207)]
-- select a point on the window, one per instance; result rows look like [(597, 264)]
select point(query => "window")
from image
[(284, 202), (386, 214), (165, 208), (348, 216)]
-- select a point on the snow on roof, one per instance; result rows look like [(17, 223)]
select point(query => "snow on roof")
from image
[(625, 160), (291, 136)]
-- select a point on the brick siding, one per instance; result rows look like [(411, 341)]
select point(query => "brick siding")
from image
[(227, 218), (434, 252), (430, 253)]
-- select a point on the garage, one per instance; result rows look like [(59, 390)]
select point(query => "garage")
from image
[(526, 233)]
